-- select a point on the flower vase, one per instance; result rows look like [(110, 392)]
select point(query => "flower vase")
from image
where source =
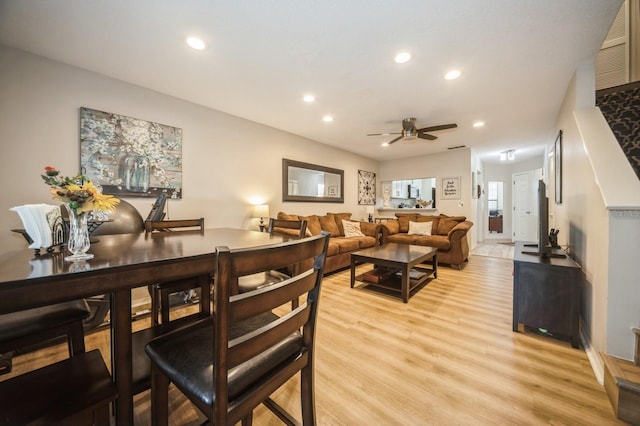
[(78, 242)]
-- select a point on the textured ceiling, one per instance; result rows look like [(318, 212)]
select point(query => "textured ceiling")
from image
[(516, 58)]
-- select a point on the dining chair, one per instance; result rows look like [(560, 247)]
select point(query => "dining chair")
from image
[(161, 292), (74, 391), (27, 330), (289, 228), (232, 362)]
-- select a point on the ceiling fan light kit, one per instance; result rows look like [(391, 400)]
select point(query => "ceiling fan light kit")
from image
[(410, 132)]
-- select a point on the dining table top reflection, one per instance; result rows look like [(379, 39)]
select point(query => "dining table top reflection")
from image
[(120, 263)]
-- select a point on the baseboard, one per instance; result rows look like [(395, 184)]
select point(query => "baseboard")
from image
[(597, 364)]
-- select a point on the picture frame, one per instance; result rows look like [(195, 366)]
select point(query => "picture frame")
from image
[(366, 188), (557, 155), (451, 188), (128, 156)]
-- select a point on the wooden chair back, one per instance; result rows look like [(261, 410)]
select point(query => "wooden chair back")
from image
[(173, 225), (232, 308), (296, 225)]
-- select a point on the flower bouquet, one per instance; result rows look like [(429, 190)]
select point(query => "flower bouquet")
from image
[(80, 197)]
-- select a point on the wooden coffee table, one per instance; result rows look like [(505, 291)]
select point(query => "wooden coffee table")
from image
[(396, 257)]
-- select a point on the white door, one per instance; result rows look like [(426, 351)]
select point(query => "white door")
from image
[(525, 211)]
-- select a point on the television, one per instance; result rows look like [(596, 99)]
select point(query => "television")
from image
[(544, 248)]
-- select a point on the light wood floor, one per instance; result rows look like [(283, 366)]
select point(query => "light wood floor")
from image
[(448, 357)]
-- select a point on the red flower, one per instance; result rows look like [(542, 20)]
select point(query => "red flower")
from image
[(51, 171)]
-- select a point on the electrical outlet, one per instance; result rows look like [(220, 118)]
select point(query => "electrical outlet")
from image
[(460, 204)]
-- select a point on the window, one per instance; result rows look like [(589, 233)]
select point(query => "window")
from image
[(495, 198)]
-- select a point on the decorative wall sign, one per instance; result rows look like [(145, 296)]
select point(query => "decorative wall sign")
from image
[(451, 188), (366, 188), (129, 156)]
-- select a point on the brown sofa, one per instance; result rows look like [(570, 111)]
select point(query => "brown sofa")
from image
[(340, 247), (449, 235)]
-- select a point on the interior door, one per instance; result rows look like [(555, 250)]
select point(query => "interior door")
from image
[(524, 207)]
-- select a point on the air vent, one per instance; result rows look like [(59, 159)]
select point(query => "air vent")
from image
[(457, 147)]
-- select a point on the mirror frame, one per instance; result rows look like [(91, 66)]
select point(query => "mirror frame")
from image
[(286, 163)]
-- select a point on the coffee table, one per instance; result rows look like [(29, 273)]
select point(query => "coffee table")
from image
[(400, 257)]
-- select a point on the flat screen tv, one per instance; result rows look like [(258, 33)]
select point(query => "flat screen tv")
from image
[(543, 247)]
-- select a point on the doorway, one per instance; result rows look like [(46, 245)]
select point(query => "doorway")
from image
[(495, 204), (525, 216)]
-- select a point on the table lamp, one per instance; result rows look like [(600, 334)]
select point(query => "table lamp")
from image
[(261, 211)]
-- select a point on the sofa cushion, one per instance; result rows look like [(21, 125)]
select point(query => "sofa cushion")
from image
[(447, 223), (441, 242), (328, 223), (366, 242), (420, 228), (285, 216), (334, 247), (339, 217), (346, 245), (313, 224), (404, 219), (351, 229), (432, 219), (392, 225)]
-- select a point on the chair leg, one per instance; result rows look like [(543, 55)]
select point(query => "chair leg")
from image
[(165, 307), (248, 420), (76, 339), (307, 395), (159, 398), (155, 294)]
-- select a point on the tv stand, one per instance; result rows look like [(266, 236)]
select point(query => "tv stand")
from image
[(546, 294)]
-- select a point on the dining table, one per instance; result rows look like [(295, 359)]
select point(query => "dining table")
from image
[(120, 263)]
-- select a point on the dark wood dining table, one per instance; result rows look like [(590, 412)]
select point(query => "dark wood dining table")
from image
[(120, 263)]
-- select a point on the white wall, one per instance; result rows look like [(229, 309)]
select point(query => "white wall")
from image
[(456, 163), (605, 244), (228, 162)]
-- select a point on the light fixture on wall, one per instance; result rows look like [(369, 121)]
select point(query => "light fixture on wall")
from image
[(261, 211)]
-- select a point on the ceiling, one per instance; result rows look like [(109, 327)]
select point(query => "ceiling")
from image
[(516, 60)]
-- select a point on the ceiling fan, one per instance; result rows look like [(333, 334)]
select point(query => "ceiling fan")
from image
[(411, 132)]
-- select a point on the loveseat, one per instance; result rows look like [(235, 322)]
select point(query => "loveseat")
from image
[(340, 245), (447, 233)]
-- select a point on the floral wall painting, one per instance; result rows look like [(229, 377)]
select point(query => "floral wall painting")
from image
[(366, 188), (130, 157)]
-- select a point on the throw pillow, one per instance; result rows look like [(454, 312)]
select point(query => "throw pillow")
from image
[(328, 223), (313, 224), (420, 228), (447, 223), (351, 229)]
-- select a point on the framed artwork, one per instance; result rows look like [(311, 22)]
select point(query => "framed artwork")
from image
[(451, 188), (557, 155), (130, 157), (366, 188)]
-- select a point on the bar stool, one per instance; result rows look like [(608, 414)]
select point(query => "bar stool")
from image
[(37, 326)]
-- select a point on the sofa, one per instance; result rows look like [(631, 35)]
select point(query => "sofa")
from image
[(447, 233), (340, 245)]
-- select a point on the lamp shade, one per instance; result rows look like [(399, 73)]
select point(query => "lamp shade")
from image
[(261, 210), (370, 209)]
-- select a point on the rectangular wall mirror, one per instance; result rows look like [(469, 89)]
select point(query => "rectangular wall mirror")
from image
[(310, 182)]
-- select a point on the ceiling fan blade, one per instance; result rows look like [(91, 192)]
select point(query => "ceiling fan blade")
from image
[(436, 128), (383, 134), (427, 136), (396, 140)]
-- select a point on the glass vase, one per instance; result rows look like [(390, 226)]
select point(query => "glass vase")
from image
[(78, 242), (135, 172)]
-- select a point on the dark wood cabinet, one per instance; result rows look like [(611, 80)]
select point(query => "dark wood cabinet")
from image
[(495, 224), (546, 294)]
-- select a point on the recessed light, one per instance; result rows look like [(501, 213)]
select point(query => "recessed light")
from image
[(327, 119), (385, 144), (309, 98), (196, 43), (402, 58), (479, 124), (452, 75)]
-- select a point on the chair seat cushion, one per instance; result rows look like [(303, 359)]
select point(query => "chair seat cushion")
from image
[(31, 321), (186, 358)]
